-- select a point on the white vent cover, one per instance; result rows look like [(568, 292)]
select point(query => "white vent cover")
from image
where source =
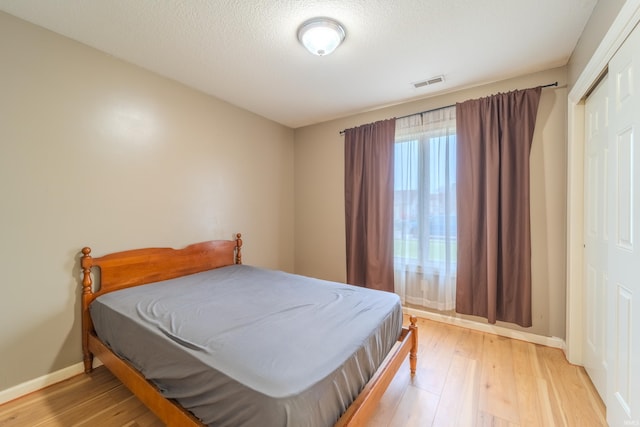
[(429, 82)]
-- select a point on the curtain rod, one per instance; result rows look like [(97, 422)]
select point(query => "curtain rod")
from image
[(447, 106)]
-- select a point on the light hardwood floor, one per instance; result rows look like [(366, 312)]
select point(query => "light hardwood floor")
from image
[(465, 378)]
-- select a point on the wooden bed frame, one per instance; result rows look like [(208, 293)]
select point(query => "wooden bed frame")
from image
[(140, 266)]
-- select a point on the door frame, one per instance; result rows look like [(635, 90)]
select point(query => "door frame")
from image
[(627, 19)]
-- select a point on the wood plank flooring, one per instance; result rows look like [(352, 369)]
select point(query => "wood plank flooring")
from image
[(464, 378)]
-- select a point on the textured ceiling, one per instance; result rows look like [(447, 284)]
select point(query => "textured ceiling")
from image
[(246, 51)]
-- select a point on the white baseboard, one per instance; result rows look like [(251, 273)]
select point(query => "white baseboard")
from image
[(491, 329), (43, 381)]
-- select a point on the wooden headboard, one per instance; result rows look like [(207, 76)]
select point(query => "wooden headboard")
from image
[(140, 266)]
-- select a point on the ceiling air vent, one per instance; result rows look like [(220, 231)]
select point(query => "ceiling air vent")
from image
[(429, 82)]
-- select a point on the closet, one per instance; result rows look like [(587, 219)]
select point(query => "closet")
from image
[(611, 313)]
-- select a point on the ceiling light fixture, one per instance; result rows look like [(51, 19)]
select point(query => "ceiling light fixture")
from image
[(321, 36)]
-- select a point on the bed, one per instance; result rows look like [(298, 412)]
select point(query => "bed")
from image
[(202, 339)]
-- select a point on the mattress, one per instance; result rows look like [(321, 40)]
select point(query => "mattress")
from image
[(245, 346)]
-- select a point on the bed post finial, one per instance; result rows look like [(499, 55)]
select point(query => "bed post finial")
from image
[(238, 248), (86, 270)]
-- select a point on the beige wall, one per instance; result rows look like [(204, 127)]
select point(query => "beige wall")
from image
[(603, 15), (319, 193), (94, 151)]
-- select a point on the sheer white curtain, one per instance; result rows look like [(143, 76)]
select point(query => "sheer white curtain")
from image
[(425, 209)]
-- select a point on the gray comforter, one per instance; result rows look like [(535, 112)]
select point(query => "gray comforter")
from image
[(241, 345)]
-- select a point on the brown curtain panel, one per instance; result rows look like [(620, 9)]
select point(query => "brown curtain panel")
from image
[(494, 136), (368, 191)]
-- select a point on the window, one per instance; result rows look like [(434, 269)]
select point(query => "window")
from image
[(425, 209)]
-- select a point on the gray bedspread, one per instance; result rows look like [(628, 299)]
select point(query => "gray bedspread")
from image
[(244, 346)]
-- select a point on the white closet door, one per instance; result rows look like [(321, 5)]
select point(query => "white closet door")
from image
[(623, 326), (596, 236)]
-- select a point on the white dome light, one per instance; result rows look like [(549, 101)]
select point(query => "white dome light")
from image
[(321, 36)]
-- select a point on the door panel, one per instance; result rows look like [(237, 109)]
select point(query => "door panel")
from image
[(623, 327), (624, 190), (596, 245)]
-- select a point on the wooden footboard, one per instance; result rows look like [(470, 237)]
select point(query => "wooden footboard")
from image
[(365, 404), (137, 267), (172, 414)]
